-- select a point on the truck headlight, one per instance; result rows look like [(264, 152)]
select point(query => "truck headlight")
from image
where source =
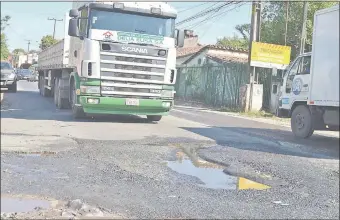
[(12, 75), (167, 94), (90, 89)]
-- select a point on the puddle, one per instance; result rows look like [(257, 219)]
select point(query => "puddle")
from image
[(36, 153), (210, 174), (22, 204)]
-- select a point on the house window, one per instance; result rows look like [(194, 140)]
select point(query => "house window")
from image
[(199, 61)]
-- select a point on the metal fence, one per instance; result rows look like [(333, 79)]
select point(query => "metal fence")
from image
[(218, 85), (214, 85)]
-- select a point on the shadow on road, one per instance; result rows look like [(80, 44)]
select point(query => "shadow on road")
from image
[(29, 105), (271, 141)]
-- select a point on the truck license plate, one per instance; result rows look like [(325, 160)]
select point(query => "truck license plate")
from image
[(134, 102)]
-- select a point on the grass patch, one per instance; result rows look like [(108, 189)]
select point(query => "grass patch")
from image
[(258, 114), (226, 109)]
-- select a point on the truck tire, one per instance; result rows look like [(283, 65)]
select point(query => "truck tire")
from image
[(44, 91), (55, 91), (154, 117), (301, 122), (13, 87), (77, 111), (39, 85)]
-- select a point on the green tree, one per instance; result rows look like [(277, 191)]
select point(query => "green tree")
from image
[(234, 42), (4, 22), (4, 52), (47, 41), (274, 23), (18, 51)]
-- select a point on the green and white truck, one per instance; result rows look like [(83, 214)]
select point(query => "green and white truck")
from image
[(115, 58)]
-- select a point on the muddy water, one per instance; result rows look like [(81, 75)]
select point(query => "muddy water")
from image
[(210, 174), (22, 204)]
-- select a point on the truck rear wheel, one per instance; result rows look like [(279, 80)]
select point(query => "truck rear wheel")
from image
[(301, 122), (154, 117), (13, 87), (59, 102), (77, 111)]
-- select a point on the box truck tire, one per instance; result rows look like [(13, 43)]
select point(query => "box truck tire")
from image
[(301, 122)]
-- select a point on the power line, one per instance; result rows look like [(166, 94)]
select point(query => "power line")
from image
[(214, 16), (193, 7), (202, 13), (206, 30)]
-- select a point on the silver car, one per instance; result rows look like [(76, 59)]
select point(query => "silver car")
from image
[(8, 77)]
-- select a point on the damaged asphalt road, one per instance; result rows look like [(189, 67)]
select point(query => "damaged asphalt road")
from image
[(126, 166)]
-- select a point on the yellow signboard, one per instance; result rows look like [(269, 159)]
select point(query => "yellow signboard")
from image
[(269, 55)]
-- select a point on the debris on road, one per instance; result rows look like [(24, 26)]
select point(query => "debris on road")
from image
[(27, 208)]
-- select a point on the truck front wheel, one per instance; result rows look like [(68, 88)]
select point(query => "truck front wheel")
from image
[(301, 122), (77, 111), (154, 117)]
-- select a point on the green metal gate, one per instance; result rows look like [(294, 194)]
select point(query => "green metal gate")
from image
[(215, 85)]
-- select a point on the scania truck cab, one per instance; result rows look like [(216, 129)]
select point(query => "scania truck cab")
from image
[(120, 59)]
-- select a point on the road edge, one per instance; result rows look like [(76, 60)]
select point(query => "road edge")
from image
[(262, 120)]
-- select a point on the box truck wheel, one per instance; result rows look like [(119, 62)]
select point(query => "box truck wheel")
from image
[(301, 122), (77, 111), (154, 117)]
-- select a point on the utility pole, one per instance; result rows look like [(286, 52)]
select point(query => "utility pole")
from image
[(55, 23), (254, 37), (304, 25), (28, 48)]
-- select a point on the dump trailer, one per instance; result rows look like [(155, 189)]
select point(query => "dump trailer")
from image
[(115, 58), (310, 90)]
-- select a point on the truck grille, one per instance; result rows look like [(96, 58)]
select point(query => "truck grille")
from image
[(128, 73)]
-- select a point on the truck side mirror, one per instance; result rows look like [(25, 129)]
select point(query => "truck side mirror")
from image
[(73, 30), (180, 38), (73, 13)]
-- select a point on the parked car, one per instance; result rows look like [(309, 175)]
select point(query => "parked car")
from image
[(8, 77), (24, 74)]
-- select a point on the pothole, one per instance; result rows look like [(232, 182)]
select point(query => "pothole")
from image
[(211, 175), (26, 207), (23, 204)]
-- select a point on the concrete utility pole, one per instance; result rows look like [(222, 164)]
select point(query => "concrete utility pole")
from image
[(254, 37), (304, 26), (28, 48), (55, 23)]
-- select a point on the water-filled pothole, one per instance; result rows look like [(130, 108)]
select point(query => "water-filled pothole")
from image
[(210, 174), (11, 204)]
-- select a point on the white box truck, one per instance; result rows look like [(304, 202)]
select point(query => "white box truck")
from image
[(116, 58), (310, 90)]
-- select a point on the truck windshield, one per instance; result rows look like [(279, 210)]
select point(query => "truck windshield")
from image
[(142, 24)]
